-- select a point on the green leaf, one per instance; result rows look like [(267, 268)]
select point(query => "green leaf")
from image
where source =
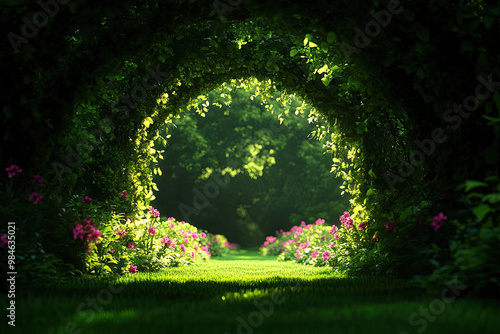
[(331, 37), (293, 52), (481, 211), (389, 60), (323, 69), (312, 45), (422, 32), (326, 79), (471, 184), (324, 47), (467, 46)]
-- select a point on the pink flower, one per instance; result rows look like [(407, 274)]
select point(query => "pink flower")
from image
[(132, 246), (336, 236), (3, 241), (192, 255), (93, 234), (390, 226), (13, 170), (186, 241), (308, 226), (195, 248), (35, 197), (374, 239), (86, 199), (172, 225), (133, 269), (302, 223), (203, 235), (194, 235), (271, 239), (346, 220), (326, 256), (334, 229), (78, 232), (155, 213), (204, 248), (124, 194), (332, 244), (320, 221), (37, 179), (315, 253), (170, 218), (121, 233), (362, 226), (183, 248), (151, 230), (111, 251), (167, 242), (438, 221), (298, 232)]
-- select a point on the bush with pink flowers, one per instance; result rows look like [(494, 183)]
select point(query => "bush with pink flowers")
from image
[(116, 244), (343, 246)]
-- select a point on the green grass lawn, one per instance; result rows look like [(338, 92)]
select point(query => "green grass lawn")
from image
[(246, 293)]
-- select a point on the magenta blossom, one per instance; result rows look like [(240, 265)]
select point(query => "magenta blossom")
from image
[(111, 251), (13, 170), (124, 194), (336, 236), (192, 254), (121, 233), (167, 242), (78, 232), (346, 220), (390, 226), (86, 199), (155, 213), (334, 229), (362, 226), (37, 179), (203, 235), (133, 269), (315, 253), (35, 197), (170, 218), (438, 221), (332, 244), (93, 234), (320, 221), (3, 241), (151, 230), (132, 246), (183, 248), (298, 232), (326, 256)]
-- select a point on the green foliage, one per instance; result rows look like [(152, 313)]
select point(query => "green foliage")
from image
[(65, 109)]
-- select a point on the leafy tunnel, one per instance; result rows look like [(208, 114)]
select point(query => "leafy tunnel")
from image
[(92, 86)]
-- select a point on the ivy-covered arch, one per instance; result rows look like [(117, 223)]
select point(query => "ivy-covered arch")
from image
[(383, 74)]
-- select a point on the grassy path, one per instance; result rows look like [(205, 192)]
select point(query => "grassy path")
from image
[(246, 293)]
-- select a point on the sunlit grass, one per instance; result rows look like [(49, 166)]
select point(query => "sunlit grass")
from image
[(214, 297)]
